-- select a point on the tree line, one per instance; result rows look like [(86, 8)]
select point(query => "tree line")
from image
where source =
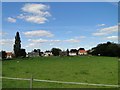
[(106, 49)]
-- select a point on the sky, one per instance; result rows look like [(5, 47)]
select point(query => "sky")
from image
[(65, 25)]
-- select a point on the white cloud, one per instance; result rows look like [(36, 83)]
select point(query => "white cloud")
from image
[(38, 40), (112, 37), (106, 31), (39, 33), (99, 25), (35, 13), (6, 41), (53, 41), (43, 41), (72, 40), (36, 19), (2, 33), (38, 9), (31, 45), (10, 19)]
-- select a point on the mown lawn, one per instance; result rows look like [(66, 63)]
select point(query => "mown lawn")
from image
[(86, 69)]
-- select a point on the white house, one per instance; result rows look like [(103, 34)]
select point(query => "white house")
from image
[(72, 54), (48, 53), (82, 52)]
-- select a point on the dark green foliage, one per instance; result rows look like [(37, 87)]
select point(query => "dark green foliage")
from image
[(81, 49), (106, 49), (67, 52), (56, 51), (3, 54), (22, 53), (74, 51), (38, 50), (35, 50), (17, 47)]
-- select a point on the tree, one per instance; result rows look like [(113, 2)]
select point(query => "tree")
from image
[(22, 53), (74, 51), (38, 50), (81, 49), (67, 52), (106, 49), (17, 45), (35, 50), (3, 54), (56, 51)]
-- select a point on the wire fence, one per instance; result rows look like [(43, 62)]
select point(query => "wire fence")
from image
[(60, 82)]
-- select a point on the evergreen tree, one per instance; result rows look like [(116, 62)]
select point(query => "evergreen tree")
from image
[(17, 45)]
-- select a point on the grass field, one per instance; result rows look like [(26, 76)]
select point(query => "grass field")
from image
[(85, 69)]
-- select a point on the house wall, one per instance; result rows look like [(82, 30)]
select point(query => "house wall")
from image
[(48, 54), (82, 53), (72, 54)]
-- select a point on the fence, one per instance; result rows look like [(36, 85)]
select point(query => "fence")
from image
[(62, 82)]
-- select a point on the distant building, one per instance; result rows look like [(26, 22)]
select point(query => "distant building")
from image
[(48, 53), (81, 51), (33, 54), (73, 52), (9, 55), (63, 53)]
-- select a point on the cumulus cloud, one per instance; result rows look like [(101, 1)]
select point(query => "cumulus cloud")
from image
[(10, 19), (112, 38), (99, 25), (6, 41), (43, 41), (106, 31), (35, 13), (38, 40), (39, 33), (35, 19), (37, 9), (53, 41)]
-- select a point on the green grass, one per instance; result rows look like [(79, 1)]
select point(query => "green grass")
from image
[(86, 69)]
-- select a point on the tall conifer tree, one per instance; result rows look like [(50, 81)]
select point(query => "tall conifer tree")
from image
[(17, 45)]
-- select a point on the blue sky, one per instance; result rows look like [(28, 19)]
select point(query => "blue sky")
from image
[(63, 25)]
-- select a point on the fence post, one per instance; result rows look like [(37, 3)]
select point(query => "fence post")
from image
[(31, 81)]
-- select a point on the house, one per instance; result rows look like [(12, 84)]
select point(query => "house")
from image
[(73, 52), (9, 55), (81, 51), (63, 53), (33, 54), (48, 53), (42, 53)]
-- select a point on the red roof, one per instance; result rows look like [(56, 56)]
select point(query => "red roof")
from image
[(9, 53), (82, 51)]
